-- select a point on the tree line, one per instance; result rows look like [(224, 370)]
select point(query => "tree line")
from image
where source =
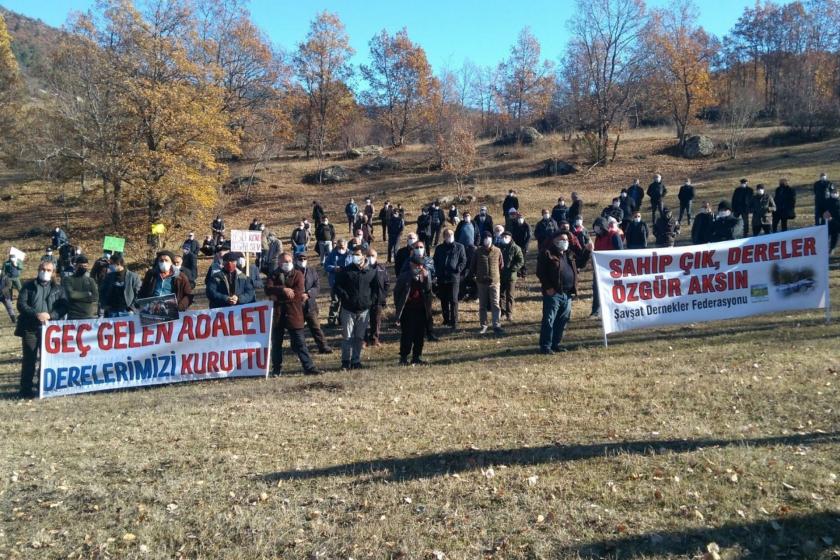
[(154, 100)]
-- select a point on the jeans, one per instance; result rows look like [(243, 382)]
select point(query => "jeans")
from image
[(413, 332), (557, 310), (298, 347), (31, 342), (324, 248), (448, 294), (488, 298), (393, 241), (685, 207), (353, 327)]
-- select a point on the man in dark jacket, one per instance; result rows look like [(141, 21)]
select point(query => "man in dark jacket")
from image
[(762, 208), (560, 211), (545, 229), (628, 207), (637, 193), (404, 253), (701, 230), (557, 273), (436, 218), (450, 262), (741, 203), (785, 199), (189, 265), (483, 223), (666, 229), (350, 211), (380, 298), (118, 296), (218, 228), (512, 261), (726, 226), (576, 209), (614, 211), (656, 191), (396, 225), (413, 300), (384, 216), (636, 233), (324, 238), (424, 226), (230, 286), (832, 216), (40, 300), (311, 288), (510, 201), (12, 270), (161, 280), (317, 212), (354, 286), (521, 232), (606, 239), (822, 190), (686, 198), (59, 238), (81, 291), (285, 287), (190, 244)]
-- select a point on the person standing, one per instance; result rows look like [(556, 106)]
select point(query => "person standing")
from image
[(665, 229), (726, 226), (614, 211), (785, 199), (230, 286), (510, 201), (40, 301), (686, 198), (355, 285), (350, 211), (558, 275), (413, 300), (831, 214), (483, 223), (512, 262), (49, 256), (822, 192), (335, 262), (218, 229), (384, 216), (318, 212), (636, 234), (12, 270), (466, 232), (161, 280), (576, 209), (741, 203), (396, 226), (450, 261), (545, 229), (762, 208), (59, 238), (436, 218), (324, 237), (285, 287), (606, 239), (637, 193), (379, 298), (404, 253), (81, 292), (521, 232), (701, 230), (190, 244), (424, 226), (485, 269), (560, 211), (118, 297), (311, 288), (656, 191), (300, 238)]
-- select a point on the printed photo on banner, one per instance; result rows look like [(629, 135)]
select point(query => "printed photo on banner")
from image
[(159, 309)]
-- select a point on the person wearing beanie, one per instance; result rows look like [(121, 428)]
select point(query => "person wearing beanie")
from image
[(230, 286), (726, 226), (162, 279), (413, 301), (741, 204)]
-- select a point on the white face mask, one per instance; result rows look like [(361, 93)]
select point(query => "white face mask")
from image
[(371, 261), (342, 251), (724, 214), (546, 216), (240, 262), (449, 239), (562, 244), (760, 191), (302, 264), (578, 223), (487, 242), (520, 220), (835, 195), (176, 269), (467, 219), (357, 260), (411, 241), (420, 251), (637, 219), (164, 266), (287, 267), (44, 275), (505, 240)]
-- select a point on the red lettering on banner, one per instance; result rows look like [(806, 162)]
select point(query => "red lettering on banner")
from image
[(186, 328), (67, 338), (80, 332), (219, 325), (105, 341), (234, 331), (52, 344)]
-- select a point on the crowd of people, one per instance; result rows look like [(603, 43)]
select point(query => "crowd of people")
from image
[(451, 256)]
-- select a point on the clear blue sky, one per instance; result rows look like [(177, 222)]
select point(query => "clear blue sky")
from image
[(451, 31)]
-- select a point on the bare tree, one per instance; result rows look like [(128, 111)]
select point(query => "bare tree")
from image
[(738, 115)]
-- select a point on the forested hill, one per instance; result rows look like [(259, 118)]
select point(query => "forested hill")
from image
[(32, 41)]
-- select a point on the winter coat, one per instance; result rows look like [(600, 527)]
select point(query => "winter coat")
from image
[(545, 229), (665, 230), (512, 261), (55, 304), (549, 264), (521, 234), (450, 261), (762, 209), (325, 232), (403, 289), (636, 235), (785, 199), (383, 284), (486, 265), (686, 194), (355, 288), (657, 191), (131, 287), (727, 229), (701, 229), (334, 262), (288, 312), (742, 200), (82, 295), (311, 286), (219, 289), (180, 286)]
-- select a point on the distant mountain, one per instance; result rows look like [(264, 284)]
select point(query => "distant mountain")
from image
[(32, 42)]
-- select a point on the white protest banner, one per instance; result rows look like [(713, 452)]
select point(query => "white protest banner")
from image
[(101, 354), (765, 274), (15, 252), (245, 241)]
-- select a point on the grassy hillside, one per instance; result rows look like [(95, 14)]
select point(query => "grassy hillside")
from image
[(656, 447)]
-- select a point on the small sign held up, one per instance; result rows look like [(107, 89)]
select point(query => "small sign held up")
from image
[(245, 241), (114, 244), (15, 252)]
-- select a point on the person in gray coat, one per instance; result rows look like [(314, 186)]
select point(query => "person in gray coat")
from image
[(118, 297)]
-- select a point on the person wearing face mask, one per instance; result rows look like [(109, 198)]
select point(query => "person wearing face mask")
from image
[(12, 270), (666, 229), (762, 208), (831, 214), (497, 235), (355, 286), (59, 238), (335, 262), (450, 261), (785, 199), (453, 214), (545, 229), (741, 203), (230, 286), (822, 192), (271, 260), (300, 238), (465, 232), (358, 242), (521, 232), (576, 209), (606, 239), (581, 235), (369, 210), (49, 256), (510, 202), (686, 198), (161, 280), (656, 191), (218, 229), (436, 221), (627, 205), (413, 301), (81, 292), (189, 265), (41, 300), (512, 262), (218, 263), (208, 247), (190, 244), (404, 253), (726, 226), (424, 226), (558, 275), (614, 211), (380, 298), (285, 287), (311, 288), (118, 297), (350, 211), (636, 233), (701, 230), (324, 237), (385, 214), (581, 253), (396, 226), (419, 250), (485, 270), (559, 213), (483, 223), (637, 193)]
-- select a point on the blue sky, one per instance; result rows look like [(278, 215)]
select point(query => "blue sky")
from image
[(451, 31)]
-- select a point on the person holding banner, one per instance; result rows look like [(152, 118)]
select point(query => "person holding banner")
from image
[(558, 274), (832, 216), (81, 291), (701, 230), (163, 280), (727, 227), (230, 286), (606, 239), (118, 296), (285, 287), (41, 300)]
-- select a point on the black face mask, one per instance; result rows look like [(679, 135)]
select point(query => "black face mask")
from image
[(80, 271)]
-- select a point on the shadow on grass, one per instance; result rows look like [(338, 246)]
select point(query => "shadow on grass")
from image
[(438, 464), (770, 538)]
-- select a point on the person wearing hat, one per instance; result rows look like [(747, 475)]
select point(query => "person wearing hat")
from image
[(485, 269), (230, 286), (558, 277), (511, 202), (483, 222), (285, 287), (701, 229), (512, 261), (741, 204), (831, 214), (81, 291), (665, 229), (162, 279), (606, 239), (355, 285), (118, 296), (413, 301), (49, 256), (726, 226)]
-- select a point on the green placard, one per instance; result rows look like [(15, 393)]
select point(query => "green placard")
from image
[(114, 244)]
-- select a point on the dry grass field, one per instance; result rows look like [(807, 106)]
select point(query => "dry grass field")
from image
[(699, 441)]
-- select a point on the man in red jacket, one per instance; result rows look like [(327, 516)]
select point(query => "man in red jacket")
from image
[(286, 288)]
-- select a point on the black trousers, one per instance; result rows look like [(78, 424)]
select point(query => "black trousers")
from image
[(776, 219), (413, 324), (448, 295), (375, 323), (31, 341), (435, 235), (297, 343), (758, 228), (313, 322), (745, 218), (655, 206)]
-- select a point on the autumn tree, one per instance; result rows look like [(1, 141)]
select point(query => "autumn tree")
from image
[(455, 147), (322, 67), (683, 53), (9, 83), (400, 83), (525, 83)]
